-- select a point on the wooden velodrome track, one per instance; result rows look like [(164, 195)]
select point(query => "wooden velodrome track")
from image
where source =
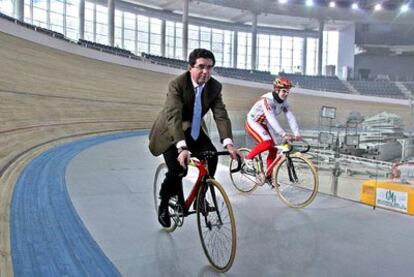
[(48, 97)]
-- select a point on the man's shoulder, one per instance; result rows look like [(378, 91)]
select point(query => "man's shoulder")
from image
[(213, 83), (181, 79)]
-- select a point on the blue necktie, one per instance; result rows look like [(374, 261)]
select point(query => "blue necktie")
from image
[(195, 125)]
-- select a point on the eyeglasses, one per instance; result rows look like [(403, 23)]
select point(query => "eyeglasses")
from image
[(202, 67), (284, 90)]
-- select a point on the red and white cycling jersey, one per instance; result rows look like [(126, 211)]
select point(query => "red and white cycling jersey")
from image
[(265, 111)]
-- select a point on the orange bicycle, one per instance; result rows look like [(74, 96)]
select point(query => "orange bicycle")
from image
[(215, 217)]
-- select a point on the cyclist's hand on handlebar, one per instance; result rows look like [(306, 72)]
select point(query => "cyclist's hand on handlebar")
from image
[(298, 137), (184, 158), (287, 138)]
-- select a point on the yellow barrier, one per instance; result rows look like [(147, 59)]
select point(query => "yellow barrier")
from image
[(388, 195)]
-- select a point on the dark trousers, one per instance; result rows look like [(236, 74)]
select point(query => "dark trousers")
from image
[(173, 184)]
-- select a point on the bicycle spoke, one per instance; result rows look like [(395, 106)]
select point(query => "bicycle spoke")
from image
[(297, 182), (243, 180), (158, 179), (217, 228)]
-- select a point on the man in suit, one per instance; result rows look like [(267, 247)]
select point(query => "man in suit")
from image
[(177, 129)]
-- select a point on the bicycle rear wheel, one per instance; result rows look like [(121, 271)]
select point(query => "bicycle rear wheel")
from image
[(158, 179), (296, 184), (216, 225), (243, 180)]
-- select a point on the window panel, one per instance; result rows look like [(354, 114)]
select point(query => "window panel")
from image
[(129, 45), (56, 6), (101, 14), (142, 37), (155, 38), (101, 29), (56, 20), (143, 23), (72, 34), (72, 23), (6, 7), (155, 49), (40, 4), (129, 21), (39, 16), (205, 44), (155, 26), (101, 39)]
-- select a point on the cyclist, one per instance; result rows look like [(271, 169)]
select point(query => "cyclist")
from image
[(179, 127), (262, 123)]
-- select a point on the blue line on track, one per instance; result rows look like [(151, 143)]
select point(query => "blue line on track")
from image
[(48, 238)]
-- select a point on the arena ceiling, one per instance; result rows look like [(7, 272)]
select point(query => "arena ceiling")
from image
[(294, 14)]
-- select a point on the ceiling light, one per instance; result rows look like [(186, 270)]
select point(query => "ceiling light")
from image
[(377, 7), (283, 1), (309, 3), (354, 6), (404, 8), (332, 4)]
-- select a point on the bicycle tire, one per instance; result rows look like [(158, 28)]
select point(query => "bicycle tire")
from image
[(216, 225), (158, 179), (296, 194), (242, 180)]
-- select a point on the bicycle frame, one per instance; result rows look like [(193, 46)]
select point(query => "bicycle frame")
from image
[(279, 158), (202, 174)]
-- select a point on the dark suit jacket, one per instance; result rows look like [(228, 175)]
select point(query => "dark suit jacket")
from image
[(177, 113)]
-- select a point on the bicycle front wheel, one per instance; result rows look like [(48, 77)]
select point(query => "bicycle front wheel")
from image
[(216, 225), (296, 182), (243, 180), (158, 179)]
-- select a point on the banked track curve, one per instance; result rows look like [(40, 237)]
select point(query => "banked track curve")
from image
[(48, 237)]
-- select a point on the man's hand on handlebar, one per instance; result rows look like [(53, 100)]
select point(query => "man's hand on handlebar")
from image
[(184, 158)]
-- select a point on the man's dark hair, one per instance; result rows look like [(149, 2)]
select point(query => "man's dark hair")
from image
[(200, 53)]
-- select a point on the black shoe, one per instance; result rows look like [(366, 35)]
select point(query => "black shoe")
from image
[(164, 215), (269, 181)]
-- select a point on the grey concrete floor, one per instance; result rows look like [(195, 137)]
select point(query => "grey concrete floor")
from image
[(111, 187)]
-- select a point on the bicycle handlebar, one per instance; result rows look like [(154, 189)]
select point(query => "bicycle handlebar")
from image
[(210, 154), (291, 146)]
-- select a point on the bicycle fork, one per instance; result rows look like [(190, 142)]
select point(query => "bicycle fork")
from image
[(291, 170), (205, 189)]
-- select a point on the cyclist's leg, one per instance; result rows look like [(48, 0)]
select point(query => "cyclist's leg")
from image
[(261, 135), (203, 143), (271, 157)]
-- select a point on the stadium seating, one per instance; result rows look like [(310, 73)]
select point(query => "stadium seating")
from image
[(323, 83), (380, 88)]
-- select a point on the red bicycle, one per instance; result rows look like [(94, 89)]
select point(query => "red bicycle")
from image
[(293, 175), (215, 217)]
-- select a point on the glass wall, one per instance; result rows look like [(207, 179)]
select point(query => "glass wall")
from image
[(244, 50), (312, 56), (6, 7), (330, 50), (56, 15), (173, 40), (138, 33)]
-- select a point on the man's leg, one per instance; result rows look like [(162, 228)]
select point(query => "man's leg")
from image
[(172, 185), (203, 143)]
